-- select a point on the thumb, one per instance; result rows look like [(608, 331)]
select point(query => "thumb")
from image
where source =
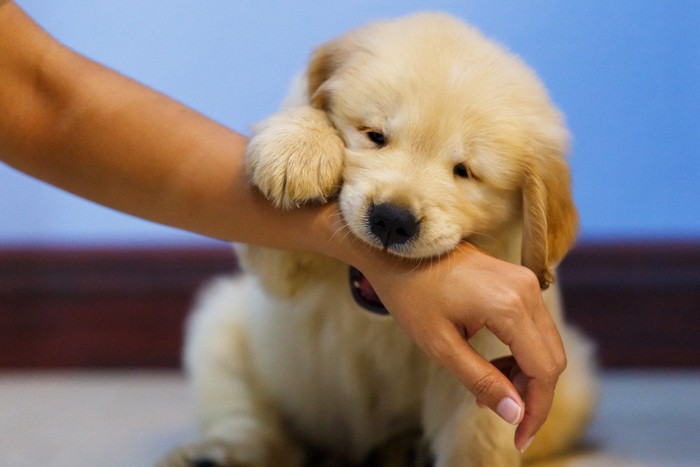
[(483, 379)]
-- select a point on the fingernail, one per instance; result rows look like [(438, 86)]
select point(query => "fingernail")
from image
[(509, 410), (527, 444)]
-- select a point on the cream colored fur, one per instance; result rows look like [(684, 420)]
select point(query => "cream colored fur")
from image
[(283, 358)]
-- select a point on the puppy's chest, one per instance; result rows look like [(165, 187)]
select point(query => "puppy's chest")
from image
[(342, 379)]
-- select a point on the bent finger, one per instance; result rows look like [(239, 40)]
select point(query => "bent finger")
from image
[(538, 401), (537, 373), (484, 380), (548, 327)]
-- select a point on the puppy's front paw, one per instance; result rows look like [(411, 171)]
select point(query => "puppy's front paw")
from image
[(296, 156)]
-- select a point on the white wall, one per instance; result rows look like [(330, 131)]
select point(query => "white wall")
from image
[(626, 74)]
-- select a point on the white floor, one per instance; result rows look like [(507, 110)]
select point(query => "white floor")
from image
[(131, 419)]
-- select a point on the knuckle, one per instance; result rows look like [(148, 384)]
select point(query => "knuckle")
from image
[(528, 280), (483, 387), (561, 362), (514, 305), (517, 298), (552, 372)]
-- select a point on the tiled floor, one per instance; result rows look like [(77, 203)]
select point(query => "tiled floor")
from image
[(131, 419)]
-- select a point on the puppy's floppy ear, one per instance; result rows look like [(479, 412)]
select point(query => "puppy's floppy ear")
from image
[(550, 219), (324, 62), (320, 69)]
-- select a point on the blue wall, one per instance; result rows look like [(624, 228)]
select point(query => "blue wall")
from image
[(626, 74)]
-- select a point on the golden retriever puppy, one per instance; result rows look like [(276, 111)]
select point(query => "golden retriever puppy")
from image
[(429, 135)]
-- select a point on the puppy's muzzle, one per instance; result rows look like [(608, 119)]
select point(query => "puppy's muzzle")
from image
[(391, 224)]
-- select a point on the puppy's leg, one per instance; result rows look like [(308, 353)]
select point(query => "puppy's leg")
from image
[(239, 426), (460, 433), (295, 157)]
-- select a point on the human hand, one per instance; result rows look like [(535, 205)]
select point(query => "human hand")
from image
[(441, 304)]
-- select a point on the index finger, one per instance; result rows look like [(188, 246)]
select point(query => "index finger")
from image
[(538, 402), (541, 385), (534, 350)]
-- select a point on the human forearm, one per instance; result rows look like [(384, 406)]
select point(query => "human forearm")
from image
[(86, 129), (90, 131)]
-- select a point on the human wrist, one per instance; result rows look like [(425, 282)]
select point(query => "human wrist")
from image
[(326, 233)]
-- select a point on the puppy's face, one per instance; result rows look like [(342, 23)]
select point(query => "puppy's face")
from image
[(420, 173), (448, 138)]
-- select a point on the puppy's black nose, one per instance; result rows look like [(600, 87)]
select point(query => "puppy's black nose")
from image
[(391, 224)]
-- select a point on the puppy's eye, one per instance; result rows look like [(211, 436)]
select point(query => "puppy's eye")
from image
[(461, 171), (377, 138)]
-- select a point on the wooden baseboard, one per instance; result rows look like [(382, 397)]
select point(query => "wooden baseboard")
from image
[(110, 308), (101, 308), (640, 301)]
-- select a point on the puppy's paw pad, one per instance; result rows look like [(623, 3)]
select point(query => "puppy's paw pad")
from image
[(204, 462), (296, 157), (205, 453)]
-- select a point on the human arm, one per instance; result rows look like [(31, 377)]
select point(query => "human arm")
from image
[(86, 129), (77, 125)]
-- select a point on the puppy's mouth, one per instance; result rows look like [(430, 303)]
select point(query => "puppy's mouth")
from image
[(364, 294)]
